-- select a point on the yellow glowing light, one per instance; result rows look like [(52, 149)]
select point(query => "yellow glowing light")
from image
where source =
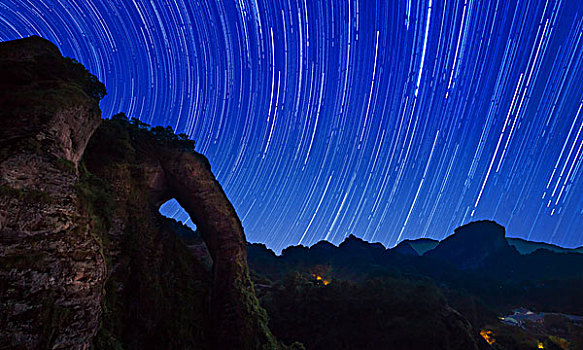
[(540, 345), (320, 278), (488, 336)]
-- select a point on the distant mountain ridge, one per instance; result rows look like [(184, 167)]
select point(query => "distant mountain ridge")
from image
[(480, 273), (423, 245), (526, 247), (478, 246), (420, 246)]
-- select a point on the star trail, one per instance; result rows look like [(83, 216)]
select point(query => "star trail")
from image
[(385, 119)]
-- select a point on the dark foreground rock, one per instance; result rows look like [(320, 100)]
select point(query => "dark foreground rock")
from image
[(52, 269), (85, 257)]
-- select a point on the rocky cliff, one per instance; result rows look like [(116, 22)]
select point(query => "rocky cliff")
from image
[(86, 260), (130, 171), (52, 268), (473, 245)]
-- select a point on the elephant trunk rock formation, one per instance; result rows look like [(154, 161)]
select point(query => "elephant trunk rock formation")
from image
[(85, 257)]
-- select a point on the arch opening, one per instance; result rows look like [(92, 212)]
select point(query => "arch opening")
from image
[(172, 210), (186, 230)]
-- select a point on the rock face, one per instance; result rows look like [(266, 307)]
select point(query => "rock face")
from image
[(472, 245), (85, 257), (144, 169), (51, 267)]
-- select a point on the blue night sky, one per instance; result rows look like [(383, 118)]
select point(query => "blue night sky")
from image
[(385, 119)]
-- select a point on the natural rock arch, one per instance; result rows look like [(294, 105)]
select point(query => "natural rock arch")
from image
[(166, 171), (189, 180)]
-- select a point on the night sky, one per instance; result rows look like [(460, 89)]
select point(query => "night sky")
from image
[(386, 119)]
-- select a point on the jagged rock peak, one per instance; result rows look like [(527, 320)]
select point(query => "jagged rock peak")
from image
[(323, 245), (353, 242)]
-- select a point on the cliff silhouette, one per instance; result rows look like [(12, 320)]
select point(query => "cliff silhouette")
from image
[(86, 259)]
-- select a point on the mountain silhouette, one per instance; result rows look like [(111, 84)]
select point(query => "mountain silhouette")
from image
[(472, 245), (476, 274), (420, 246)]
